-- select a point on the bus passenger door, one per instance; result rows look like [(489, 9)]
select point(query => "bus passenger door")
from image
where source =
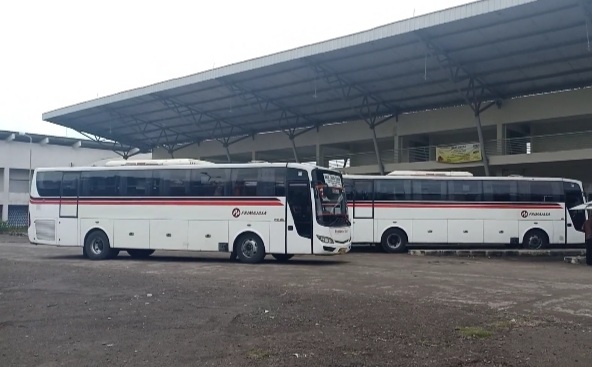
[(574, 219), (68, 221), (363, 213), (299, 218)]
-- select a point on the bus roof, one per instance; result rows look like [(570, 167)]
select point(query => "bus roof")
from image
[(493, 178), (182, 163), (431, 173)]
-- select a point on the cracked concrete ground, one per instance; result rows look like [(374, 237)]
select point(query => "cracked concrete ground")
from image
[(361, 309)]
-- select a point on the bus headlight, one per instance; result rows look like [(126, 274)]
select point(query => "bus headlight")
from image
[(324, 239)]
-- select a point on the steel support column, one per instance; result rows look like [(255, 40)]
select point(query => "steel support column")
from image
[(228, 153), (372, 124), (377, 150), (371, 105), (293, 134), (227, 142), (474, 94), (294, 150)]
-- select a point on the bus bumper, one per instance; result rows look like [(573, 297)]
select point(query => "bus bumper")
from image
[(325, 249)]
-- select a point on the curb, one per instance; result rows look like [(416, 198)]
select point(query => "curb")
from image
[(500, 253)]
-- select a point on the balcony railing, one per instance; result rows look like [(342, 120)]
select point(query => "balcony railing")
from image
[(496, 147)]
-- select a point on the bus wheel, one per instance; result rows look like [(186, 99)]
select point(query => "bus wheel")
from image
[(394, 240), (97, 246), (282, 257), (250, 248), (139, 254), (535, 239)]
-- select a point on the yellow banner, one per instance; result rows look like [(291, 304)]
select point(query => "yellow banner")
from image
[(463, 153)]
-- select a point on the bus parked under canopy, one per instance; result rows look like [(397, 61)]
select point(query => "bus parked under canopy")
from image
[(405, 208), (248, 210)]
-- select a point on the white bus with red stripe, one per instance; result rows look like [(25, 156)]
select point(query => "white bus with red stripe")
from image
[(248, 210), (407, 208)]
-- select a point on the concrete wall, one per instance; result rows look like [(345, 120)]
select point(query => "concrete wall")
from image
[(14, 167)]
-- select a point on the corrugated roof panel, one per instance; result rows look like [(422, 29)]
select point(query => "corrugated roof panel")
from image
[(515, 46)]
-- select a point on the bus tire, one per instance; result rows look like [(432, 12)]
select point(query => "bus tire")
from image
[(249, 248), (394, 240), (96, 246), (282, 257), (535, 239), (139, 254)]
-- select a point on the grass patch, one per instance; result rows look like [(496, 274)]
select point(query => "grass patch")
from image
[(475, 332), (5, 228), (504, 325), (257, 354)]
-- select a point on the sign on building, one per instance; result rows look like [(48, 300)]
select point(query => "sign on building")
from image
[(462, 153)]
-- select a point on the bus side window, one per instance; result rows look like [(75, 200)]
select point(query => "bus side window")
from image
[(430, 190), (363, 191), (465, 190), (210, 182), (503, 190), (349, 189), (49, 183)]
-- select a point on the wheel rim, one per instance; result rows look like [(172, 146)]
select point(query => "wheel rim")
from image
[(394, 241), (534, 242), (249, 248), (97, 246)]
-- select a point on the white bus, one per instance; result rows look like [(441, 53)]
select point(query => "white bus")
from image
[(248, 210), (406, 208)]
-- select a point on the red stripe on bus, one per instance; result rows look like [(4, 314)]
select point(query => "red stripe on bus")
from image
[(460, 206), (160, 202)]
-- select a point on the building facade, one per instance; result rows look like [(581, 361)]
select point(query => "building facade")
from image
[(21, 154), (542, 135)]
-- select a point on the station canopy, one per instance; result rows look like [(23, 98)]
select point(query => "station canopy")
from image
[(483, 52)]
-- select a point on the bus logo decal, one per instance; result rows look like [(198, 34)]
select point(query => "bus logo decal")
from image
[(525, 214), (236, 212)]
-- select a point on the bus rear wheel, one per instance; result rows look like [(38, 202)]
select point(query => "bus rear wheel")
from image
[(97, 247), (394, 240), (139, 254), (249, 248), (282, 257), (535, 239)]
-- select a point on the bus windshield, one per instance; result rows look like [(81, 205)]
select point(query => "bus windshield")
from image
[(330, 203)]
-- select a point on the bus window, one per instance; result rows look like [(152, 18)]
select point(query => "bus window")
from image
[(100, 183), (49, 183), (465, 190), (392, 190), (540, 191), (429, 190), (503, 190)]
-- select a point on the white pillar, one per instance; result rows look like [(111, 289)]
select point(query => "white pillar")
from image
[(253, 155), (5, 194)]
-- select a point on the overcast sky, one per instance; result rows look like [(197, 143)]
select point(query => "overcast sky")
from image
[(57, 53)]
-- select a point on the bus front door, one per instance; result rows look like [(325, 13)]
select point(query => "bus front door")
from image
[(299, 218), (574, 219), (363, 213), (67, 228)]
